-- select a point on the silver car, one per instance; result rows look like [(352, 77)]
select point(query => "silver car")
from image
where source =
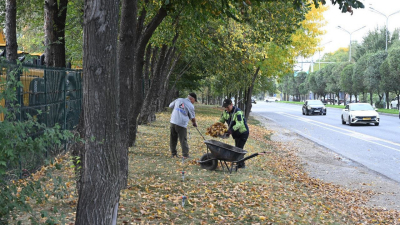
[(360, 113)]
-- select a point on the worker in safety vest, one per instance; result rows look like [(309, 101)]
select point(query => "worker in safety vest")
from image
[(237, 125)]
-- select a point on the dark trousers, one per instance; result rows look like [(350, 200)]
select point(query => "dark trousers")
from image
[(240, 142), (181, 133)]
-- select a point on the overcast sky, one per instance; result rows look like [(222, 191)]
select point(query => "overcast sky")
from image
[(336, 38)]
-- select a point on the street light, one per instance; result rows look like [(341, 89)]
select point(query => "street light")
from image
[(387, 21), (350, 33)]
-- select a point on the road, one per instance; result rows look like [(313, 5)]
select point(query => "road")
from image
[(375, 147)]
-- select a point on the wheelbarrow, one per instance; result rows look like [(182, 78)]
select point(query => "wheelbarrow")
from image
[(224, 153)]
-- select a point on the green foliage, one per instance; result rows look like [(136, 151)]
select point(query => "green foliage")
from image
[(340, 55), (380, 104), (317, 82), (358, 74), (394, 67), (346, 78), (2, 15), (20, 139), (372, 76)]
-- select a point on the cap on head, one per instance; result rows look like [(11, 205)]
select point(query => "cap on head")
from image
[(226, 103), (193, 95)]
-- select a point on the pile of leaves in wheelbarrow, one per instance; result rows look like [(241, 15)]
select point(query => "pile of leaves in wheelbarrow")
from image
[(218, 129), (273, 189)]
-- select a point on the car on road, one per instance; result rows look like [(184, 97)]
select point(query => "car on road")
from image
[(360, 113), (313, 107), (253, 100), (271, 99), (393, 103)]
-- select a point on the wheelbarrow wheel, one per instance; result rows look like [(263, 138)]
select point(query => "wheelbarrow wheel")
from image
[(209, 165)]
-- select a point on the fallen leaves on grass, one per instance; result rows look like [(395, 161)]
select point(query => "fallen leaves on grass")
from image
[(273, 189)]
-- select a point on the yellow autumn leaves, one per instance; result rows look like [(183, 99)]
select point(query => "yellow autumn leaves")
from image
[(217, 129)]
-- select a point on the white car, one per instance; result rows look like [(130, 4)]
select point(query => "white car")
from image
[(271, 99), (393, 103), (360, 113)]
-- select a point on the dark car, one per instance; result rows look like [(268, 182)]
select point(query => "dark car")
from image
[(314, 107)]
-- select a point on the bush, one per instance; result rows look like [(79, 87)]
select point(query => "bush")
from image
[(20, 140), (380, 104)]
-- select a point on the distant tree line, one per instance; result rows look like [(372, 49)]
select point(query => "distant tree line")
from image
[(371, 71)]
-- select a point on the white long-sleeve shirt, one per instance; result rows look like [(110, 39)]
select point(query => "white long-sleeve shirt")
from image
[(183, 111)]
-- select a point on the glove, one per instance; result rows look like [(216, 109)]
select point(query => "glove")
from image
[(225, 136), (194, 124)]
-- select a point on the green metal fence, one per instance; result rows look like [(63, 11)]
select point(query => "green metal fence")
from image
[(57, 94)]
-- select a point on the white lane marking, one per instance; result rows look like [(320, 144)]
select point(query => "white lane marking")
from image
[(351, 133)]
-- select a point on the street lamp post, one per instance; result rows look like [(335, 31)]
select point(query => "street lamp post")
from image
[(350, 33), (319, 57), (387, 21)]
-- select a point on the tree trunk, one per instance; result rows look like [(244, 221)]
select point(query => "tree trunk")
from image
[(147, 69), (147, 114), (370, 97), (249, 93), (398, 100), (59, 47), (164, 89), (170, 94), (12, 49), (54, 27), (387, 100), (126, 49), (143, 37), (100, 190), (364, 97), (11, 30)]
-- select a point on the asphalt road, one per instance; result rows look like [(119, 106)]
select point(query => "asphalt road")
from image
[(375, 147)]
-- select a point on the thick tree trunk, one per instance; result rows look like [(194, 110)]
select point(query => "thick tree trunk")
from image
[(147, 114), (11, 30), (49, 11), (125, 70), (100, 190), (11, 44), (143, 37), (59, 47), (54, 27)]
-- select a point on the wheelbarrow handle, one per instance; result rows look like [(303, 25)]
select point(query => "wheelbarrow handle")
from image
[(200, 133), (252, 156)]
